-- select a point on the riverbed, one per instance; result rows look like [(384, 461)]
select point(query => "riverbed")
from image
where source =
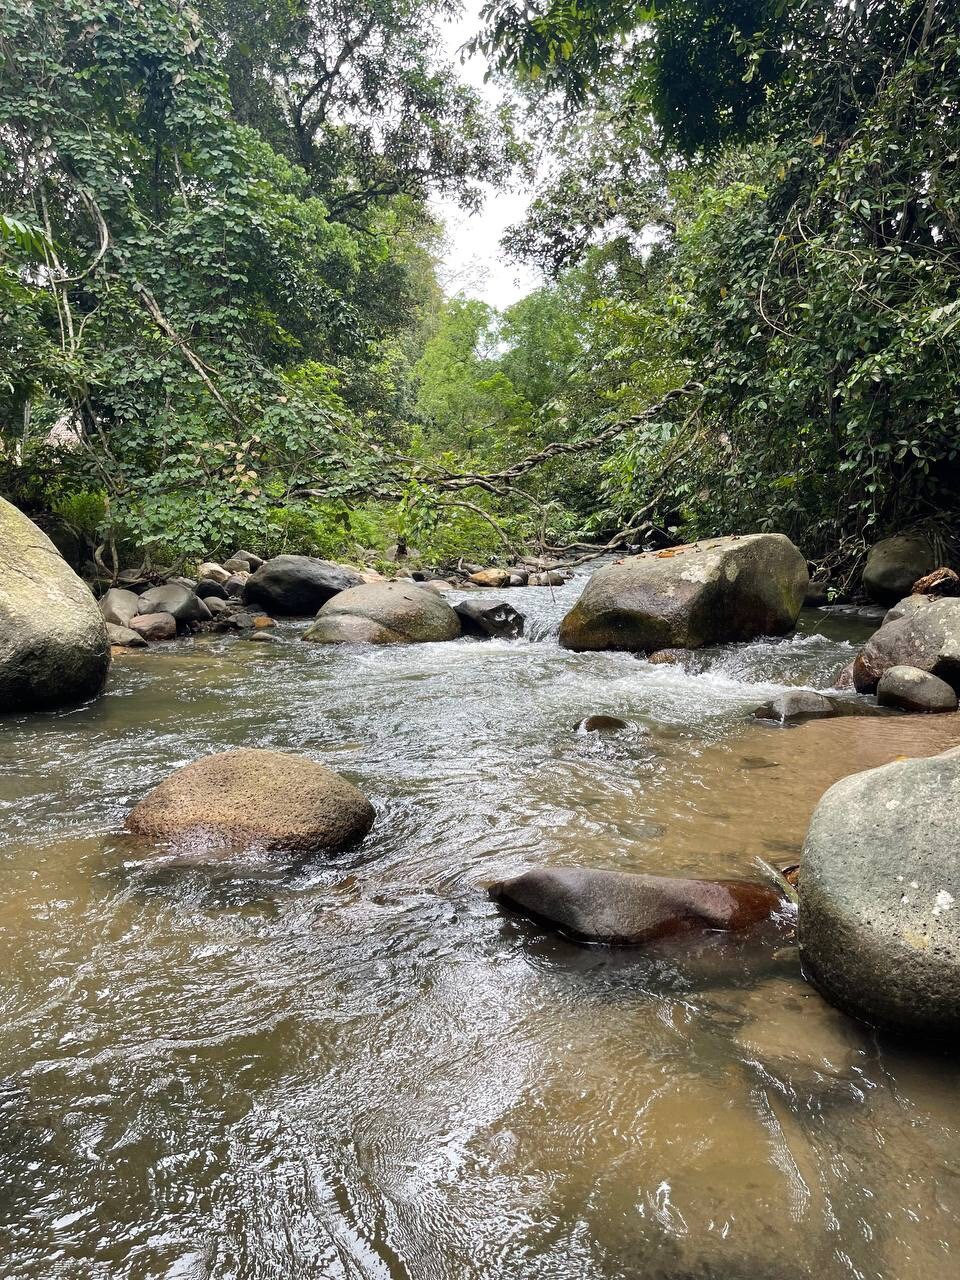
[(359, 1068)]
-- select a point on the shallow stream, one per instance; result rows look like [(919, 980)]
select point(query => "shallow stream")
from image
[(359, 1069)]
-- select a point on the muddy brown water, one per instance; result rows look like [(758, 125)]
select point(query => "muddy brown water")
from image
[(358, 1068)]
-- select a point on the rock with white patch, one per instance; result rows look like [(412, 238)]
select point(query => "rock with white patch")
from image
[(879, 924), (710, 592)]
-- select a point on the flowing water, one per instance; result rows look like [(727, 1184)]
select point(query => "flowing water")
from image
[(358, 1068)]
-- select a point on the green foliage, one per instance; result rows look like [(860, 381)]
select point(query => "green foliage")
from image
[(794, 250)]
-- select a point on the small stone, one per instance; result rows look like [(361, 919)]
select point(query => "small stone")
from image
[(215, 572)]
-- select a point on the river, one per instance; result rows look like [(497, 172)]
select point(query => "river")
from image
[(358, 1068)]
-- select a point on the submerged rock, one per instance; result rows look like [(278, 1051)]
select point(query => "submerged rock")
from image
[(621, 909), (911, 689), (53, 639), (602, 724), (895, 564), (489, 618), (793, 1034), (709, 592), (384, 613), (879, 921), (297, 585), (252, 798), (926, 637)]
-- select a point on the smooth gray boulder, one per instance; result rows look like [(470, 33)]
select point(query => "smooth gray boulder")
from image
[(621, 909), (489, 618), (927, 637), (119, 606), (911, 689), (53, 638), (384, 613), (254, 799), (182, 603), (710, 592), (895, 564), (879, 921), (297, 585)]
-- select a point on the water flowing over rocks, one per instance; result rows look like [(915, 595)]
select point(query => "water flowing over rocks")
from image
[(895, 564), (880, 894), (254, 799), (53, 640), (294, 585), (622, 909), (709, 592), (384, 613)]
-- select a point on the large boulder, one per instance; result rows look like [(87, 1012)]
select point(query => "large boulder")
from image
[(254, 799), (926, 636), (181, 602), (53, 638), (486, 618), (709, 592), (618, 908), (911, 689), (895, 564), (879, 922), (297, 585), (384, 613)]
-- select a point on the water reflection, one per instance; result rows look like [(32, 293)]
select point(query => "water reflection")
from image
[(358, 1067)]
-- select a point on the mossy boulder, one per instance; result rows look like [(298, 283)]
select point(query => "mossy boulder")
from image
[(710, 592), (53, 639), (384, 613)]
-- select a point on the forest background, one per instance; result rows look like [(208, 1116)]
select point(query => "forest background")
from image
[(221, 317)]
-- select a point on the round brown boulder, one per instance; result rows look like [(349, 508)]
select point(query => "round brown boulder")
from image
[(384, 613), (710, 592), (621, 909), (254, 799)]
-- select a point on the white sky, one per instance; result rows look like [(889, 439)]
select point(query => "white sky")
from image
[(474, 263)]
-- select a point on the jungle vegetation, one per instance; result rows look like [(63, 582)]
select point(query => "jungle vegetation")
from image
[(222, 320)]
